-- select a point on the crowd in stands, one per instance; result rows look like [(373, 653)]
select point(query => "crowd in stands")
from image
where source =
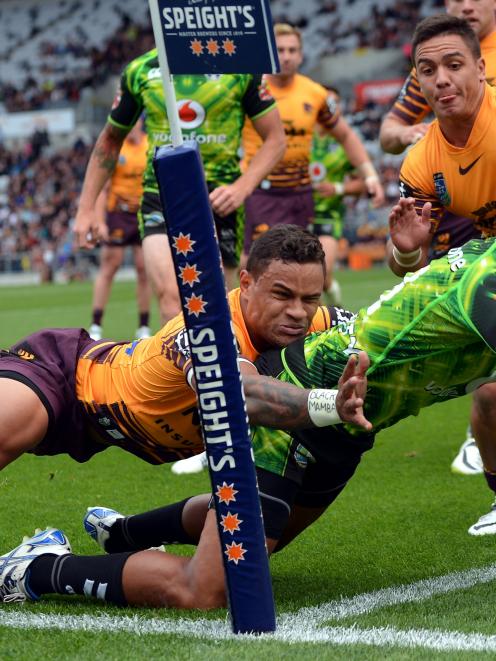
[(39, 191), (99, 63), (39, 185)]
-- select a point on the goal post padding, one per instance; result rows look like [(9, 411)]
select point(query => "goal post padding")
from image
[(197, 262)]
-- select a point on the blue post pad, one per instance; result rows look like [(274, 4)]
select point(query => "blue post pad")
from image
[(197, 261)]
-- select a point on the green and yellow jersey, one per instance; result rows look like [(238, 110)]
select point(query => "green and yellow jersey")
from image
[(212, 111)]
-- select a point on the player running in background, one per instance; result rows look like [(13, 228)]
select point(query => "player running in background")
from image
[(332, 177), (117, 205), (404, 125), (429, 339), (285, 195), (212, 110)]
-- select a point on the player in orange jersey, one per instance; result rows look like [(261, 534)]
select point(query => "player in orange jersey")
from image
[(136, 396), (451, 168), (404, 125), (285, 195), (117, 207)]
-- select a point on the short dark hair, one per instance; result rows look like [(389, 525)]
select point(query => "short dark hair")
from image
[(287, 243), (439, 24)]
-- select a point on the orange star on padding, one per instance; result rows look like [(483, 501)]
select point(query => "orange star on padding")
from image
[(226, 493), (229, 46), (235, 552), (183, 244), (212, 47), (189, 274), (231, 522), (196, 47), (195, 305)]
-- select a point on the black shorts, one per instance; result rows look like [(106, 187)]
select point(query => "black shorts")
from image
[(230, 229)]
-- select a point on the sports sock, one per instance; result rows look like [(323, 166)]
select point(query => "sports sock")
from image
[(97, 316), (160, 526), (144, 318), (491, 480), (92, 576)]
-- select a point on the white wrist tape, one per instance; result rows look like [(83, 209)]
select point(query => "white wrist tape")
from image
[(338, 187), (407, 259), (322, 407)]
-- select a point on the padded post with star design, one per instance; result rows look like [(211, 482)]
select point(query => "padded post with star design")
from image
[(197, 261)]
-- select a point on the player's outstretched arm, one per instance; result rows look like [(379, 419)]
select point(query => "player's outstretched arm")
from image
[(273, 403)]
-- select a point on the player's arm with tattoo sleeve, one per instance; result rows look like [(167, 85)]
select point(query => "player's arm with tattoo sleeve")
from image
[(273, 403), (87, 227)]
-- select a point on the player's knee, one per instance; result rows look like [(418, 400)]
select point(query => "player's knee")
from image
[(485, 401)]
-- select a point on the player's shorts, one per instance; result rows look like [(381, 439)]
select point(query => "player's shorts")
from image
[(46, 362), (452, 232), (332, 227), (123, 229), (275, 206), (229, 229)]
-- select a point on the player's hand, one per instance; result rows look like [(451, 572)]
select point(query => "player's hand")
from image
[(226, 199), (325, 188), (375, 191), (409, 135), (89, 229), (407, 229), (352, 391)]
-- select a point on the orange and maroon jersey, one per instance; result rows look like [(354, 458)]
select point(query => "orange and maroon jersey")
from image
[(301, 105), (136, 395), (126, 186), (458, 179), (411, 106)]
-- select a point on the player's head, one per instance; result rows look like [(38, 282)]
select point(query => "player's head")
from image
[(444, 25), (446, 54), (480, 14), (289, 48), (281, 285)]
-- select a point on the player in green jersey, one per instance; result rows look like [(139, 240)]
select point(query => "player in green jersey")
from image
[(212, 110), (330, 171), (430, 339)]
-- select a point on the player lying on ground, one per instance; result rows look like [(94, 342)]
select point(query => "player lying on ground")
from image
[(431, 338)]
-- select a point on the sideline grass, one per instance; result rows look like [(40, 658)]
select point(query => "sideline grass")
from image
[(401, 519)]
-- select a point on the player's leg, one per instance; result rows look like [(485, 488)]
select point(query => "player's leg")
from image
[(178, 523), (143, 293), (483, 421), (23, 419), (322, 483), (110, 260), (160, 272), (146, 578)]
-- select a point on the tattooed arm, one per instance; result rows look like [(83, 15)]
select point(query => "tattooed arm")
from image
[(273, 403), (88, 228)]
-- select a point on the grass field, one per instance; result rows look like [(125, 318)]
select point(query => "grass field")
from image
[(389, 571)]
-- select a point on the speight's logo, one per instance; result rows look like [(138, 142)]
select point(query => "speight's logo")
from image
[(441, 189), (232, 17)]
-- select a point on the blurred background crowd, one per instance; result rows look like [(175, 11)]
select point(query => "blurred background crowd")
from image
[(60, 64)]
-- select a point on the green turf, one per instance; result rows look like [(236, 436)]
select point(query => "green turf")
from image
[(401, 519)]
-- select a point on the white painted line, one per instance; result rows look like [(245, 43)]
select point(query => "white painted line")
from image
[(218, 630), (400, 594), (302, 626)]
